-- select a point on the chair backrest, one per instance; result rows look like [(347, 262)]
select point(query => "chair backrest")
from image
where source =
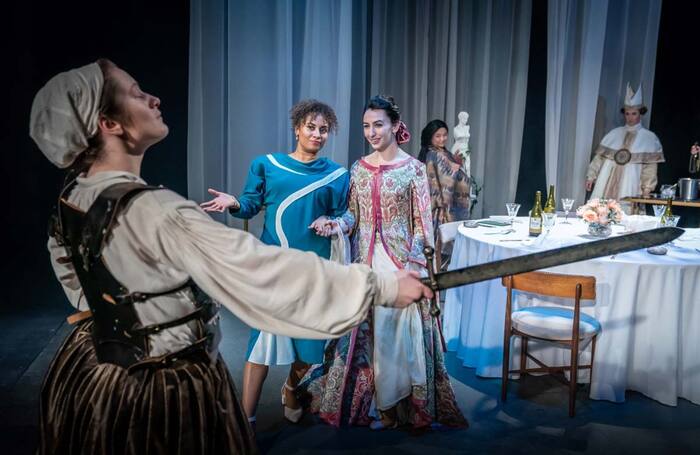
[(448, 231), (246, 222), (552, 284)]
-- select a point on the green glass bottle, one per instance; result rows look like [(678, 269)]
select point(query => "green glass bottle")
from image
[(535, 228), (667, 212), (550, 206)]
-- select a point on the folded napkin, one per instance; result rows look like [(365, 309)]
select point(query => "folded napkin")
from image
[(492, 223)]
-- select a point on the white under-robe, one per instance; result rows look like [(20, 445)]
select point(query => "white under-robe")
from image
[(399, 353), (161, 240)]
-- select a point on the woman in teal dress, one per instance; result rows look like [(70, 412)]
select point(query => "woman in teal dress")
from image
[(298, 192)]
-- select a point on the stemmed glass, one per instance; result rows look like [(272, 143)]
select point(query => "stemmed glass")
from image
[(548, 221), (665, 221), (658, 210), (512, 209), (668, 191), (670, 221), (567, 203)]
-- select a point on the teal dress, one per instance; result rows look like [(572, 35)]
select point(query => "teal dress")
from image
[(293, 194)]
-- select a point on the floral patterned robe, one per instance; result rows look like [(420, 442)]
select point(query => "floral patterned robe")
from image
[(388, 204)]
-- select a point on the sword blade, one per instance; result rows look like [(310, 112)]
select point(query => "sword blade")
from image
[(551, 258)]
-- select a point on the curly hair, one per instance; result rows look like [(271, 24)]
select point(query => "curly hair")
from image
[(305, 108)]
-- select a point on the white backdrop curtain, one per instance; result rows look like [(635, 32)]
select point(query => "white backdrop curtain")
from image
[(594, 48), (249, 63), (438, 58)]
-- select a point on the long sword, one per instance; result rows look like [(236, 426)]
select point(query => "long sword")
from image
[(545, 259)]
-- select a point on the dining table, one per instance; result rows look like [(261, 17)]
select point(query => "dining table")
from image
[(648, 306)]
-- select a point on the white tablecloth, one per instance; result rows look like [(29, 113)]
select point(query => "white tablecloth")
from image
[(648, 306)]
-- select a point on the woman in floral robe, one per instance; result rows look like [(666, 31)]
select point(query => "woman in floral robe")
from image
[(390, 370)]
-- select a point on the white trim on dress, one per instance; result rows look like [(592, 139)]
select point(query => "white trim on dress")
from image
[(284, 168), (295, 196)]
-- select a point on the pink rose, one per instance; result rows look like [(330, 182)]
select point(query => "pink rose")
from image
[(590, 216)]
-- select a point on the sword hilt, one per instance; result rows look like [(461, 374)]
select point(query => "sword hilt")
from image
[(429, 253)]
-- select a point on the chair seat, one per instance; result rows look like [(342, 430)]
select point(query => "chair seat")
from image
[(553, 323)]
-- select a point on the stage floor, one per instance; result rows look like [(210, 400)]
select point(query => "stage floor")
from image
[(534, 420)]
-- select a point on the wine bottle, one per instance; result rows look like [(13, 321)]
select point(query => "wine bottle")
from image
[(550, 206), (536, 216), (667, 212), (694, 165)]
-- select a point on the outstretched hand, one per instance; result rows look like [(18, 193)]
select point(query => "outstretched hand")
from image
[(410, 289), (221, 202)]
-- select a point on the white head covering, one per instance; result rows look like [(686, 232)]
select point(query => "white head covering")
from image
[(633, 100), (65, 113)]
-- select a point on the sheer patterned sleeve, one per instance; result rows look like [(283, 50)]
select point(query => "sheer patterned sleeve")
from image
[(433, 172), (421, 222), (348, 219)]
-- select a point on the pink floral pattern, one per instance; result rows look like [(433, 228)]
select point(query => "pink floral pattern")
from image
[(393, 202)]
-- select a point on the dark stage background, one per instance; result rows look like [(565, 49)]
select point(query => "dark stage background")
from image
[(39, 39), (150, 40)]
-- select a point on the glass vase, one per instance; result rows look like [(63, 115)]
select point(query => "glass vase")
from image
[(599, 230)]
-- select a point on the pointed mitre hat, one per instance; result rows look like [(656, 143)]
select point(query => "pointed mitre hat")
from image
[(633, 99)]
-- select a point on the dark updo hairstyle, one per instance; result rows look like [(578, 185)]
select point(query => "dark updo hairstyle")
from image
[(387, 104), (305, 108), (426, 137), (642, 110)]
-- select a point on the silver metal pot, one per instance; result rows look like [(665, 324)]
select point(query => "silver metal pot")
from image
[(688, 189)]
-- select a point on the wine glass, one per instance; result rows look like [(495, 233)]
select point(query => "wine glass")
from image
[(668, 191), (567, 203), (659, 210), (665, 221), (512, 209), (548, 221), (670, 221)]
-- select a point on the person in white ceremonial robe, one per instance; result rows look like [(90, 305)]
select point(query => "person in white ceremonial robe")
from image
[(625, 163), (168, 390)]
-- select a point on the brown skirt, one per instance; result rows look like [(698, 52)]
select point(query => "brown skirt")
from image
[(189, 407)]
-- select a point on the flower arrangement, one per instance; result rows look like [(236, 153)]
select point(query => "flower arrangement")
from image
[(601, 211)]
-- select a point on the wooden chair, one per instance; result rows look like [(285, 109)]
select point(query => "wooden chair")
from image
[(558, 325), (246, 221)]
